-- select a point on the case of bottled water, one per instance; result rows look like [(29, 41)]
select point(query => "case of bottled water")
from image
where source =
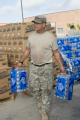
[(64, 87), (18, 80)]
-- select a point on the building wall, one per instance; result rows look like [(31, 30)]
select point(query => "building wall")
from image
[(1, 24), (62, 19)]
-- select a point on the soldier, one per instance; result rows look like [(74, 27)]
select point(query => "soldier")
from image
[(41, 46)]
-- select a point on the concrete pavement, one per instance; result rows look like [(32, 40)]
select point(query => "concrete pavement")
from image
[(24, 108)]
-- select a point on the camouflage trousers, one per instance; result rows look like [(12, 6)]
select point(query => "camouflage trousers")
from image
[(40, 83)]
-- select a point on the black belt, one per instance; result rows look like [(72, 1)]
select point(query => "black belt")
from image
[(40, 65)]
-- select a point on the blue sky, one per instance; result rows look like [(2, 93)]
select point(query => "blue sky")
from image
[(10, 10)]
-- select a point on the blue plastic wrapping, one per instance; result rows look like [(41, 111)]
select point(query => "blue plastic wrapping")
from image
[(18, 80), (65, 48), (64, 87), (70, 51), (77, 53), (78, 46), (73, 39)]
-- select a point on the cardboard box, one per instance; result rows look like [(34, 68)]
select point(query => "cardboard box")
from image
[(4, 83)]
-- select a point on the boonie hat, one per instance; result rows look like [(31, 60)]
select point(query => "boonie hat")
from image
[(39, 19)]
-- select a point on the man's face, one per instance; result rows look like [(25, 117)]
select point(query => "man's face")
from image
[(39, 27)]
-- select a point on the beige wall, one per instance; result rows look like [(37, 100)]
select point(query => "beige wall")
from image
[(61, 19), (1, 24)]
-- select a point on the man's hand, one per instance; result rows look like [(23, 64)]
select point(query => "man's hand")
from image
[(62, 70), (20, 64)]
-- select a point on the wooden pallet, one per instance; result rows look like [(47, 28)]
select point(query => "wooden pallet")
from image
[(4, 83), (5, 95)]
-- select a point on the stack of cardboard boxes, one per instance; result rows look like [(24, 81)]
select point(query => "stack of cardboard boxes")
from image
[(4, 77), (4, 83)]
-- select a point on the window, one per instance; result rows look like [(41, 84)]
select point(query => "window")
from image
[(60, 30), (71, 26)]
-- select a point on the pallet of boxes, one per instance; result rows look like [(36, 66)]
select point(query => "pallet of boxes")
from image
[(4, 78), (69, 48)]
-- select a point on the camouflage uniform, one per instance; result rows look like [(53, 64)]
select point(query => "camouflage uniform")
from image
[(40, 81), (41, 46)]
